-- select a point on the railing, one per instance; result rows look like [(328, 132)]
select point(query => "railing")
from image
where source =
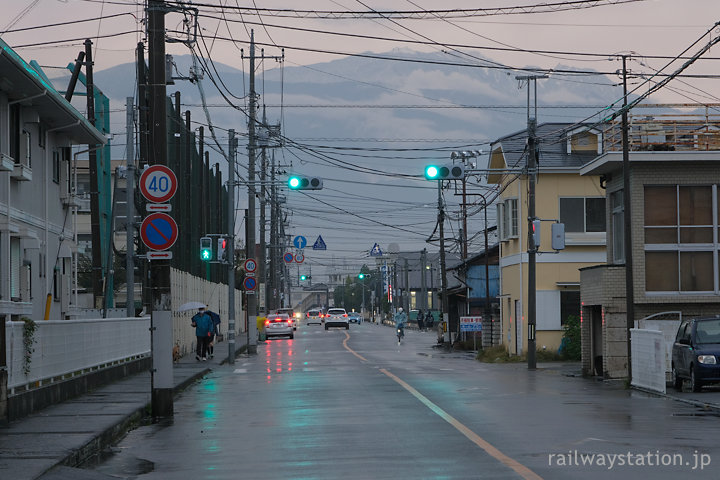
[(62, 349), (667, 131)]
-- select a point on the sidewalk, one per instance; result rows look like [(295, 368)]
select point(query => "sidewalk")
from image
[(72, 431)]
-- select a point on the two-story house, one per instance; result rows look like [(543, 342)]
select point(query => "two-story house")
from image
[(563, 195), (38, 127), (674, 173)]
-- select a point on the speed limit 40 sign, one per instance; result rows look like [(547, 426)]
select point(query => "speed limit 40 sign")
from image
[(158, 183)]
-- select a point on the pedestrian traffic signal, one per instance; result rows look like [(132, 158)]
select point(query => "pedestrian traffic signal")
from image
[(445, 172), (300, 182), (206, 249), (221, 251), (536, 233)]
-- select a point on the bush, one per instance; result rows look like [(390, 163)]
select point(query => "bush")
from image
[(498, 354), (571, 346)]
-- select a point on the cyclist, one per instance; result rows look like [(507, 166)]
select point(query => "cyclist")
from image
[(400, 319)]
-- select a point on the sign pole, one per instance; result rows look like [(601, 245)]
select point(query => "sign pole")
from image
[(231, 246)]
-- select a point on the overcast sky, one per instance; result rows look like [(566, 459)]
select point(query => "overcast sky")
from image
[(647, 29)]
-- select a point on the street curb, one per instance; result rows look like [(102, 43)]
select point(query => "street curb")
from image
[(695, 403)]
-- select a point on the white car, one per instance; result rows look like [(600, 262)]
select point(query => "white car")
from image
[(314, 316), (337, 317), (279, 324)]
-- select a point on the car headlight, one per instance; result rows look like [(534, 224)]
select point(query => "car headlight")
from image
[(707, 359)]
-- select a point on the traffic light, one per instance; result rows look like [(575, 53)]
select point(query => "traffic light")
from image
[(445, 172), (221, 252), (300, 182), (361, 276), (536, 233), (206, 249), (305, 277)]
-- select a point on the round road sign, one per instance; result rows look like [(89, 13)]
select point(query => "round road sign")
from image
[(158, 183), (249, 283), (159, 231), (250, 265), (288, 257), (299, 257)]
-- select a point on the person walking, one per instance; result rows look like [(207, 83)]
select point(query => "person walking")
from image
[(429, 320), (421, 321), (215, 332), (202, 321)]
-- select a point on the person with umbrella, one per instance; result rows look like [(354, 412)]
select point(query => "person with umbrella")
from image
[(204, 327)]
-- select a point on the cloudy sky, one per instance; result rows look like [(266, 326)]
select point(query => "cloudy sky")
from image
[(503, 40)]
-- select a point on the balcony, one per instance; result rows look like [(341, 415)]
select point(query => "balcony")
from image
[(7, 163), (666, 131), (21, 173)]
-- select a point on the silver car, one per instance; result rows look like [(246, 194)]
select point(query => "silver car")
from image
[(336, 317), (279, 324), (314, 316)]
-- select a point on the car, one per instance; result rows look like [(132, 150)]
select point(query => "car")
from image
[(696, 353), (290, 313), (355, 317), (314, 316), (279, 324), (336, 317)]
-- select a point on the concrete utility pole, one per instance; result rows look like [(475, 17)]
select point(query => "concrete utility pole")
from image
[(262, 270), (627, 220), (423, 280), (406, 303), (443, 270), (97, 270), (161, 316), (130, 219), (230, 250), (532, 248), (250, 240), (273, 288)]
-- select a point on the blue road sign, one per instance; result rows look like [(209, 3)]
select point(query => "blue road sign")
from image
[(300, 242), (319, 244), (375, 251), (159, 231), (288, 257), (249, 283)]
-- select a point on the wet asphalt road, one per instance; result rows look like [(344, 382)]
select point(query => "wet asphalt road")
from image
[(310, 408)]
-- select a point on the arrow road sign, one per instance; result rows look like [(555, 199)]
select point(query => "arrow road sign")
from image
[(300, 242), (159, 231), (158, 255), (158, 183), (288, 257), (319, 244)]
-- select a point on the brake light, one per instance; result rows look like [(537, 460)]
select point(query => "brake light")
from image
[(290, 321), (267, 322), (344, 314)]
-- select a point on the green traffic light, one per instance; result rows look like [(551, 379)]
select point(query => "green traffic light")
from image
[(206, 254), (293, 182), (431, 172), (303, 277), (361, 276)]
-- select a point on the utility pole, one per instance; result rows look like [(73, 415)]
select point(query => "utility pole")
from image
[(262, 277), (627, 220), (97, 270), (443, 271), (274, 239), (406, 297), (250, 240), (161, 317), (532, 248), (130, 213), (232, 146), (423, 279)]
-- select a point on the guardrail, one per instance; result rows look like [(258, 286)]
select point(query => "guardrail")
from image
[(62, 349)]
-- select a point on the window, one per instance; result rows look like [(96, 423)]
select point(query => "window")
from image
[(56, 166), (680, 249), (15, 263), (15, 132), (507, 212), (583, 215), (618, 226), (569, 305)]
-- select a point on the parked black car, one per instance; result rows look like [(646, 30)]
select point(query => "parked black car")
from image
[(696, 352)]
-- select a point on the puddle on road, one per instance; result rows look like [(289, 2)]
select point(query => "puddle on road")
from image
[(112, 461), (697, 414)]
